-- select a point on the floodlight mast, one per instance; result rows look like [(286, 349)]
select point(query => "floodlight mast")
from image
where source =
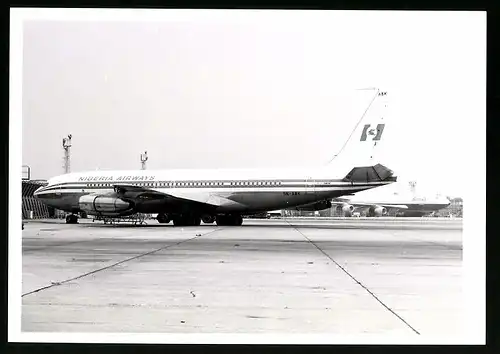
[(66, 143)]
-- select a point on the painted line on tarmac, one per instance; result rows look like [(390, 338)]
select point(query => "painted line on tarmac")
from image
[(357, 281), (117, 263)]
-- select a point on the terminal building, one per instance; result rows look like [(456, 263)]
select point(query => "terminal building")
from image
[(32, 207)]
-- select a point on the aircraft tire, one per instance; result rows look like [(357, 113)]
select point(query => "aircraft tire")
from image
[(71, 219), (207, 219), (163, 218)]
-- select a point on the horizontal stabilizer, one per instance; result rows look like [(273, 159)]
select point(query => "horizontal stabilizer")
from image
[(375, 173)]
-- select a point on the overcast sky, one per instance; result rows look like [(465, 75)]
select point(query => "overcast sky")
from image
[(260, 89)]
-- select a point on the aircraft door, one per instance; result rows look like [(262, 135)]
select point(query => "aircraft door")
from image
[(310, 186)]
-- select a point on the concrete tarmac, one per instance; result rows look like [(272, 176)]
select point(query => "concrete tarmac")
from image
[(341, 276)]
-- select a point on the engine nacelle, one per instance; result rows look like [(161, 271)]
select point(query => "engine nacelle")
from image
[(347, 209), (324, 204), (105, 205), (377, 211)]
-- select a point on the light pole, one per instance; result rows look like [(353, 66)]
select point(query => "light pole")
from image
[(66, 143)]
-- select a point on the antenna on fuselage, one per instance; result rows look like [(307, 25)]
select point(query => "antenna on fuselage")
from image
[(66, 143), (144, 158)]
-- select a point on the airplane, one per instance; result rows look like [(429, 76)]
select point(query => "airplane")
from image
[(401, 206), (188, 197)]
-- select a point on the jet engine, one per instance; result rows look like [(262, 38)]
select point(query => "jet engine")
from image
[(324, 204), (346, 209), (377, 211), (105, 205)]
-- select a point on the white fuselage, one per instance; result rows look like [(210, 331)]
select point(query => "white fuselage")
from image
[(241, 191)]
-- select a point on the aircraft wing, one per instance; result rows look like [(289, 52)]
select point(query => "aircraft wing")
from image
[(395, 206), (195, 199)]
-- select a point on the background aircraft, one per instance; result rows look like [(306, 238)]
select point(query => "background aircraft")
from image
[(394, 203)]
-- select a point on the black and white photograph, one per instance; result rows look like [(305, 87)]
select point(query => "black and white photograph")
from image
[(247, 176)]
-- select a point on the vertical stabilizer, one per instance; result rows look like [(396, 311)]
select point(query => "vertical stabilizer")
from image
[(360, 149)]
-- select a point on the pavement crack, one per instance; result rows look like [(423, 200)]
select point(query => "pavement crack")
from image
[(53, 284), (356, 280)]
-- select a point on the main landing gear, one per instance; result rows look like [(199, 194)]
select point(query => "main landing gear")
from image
[(71, 219), (208, 219), (187, 220), (229, 220), (163, 218), (195, 220)]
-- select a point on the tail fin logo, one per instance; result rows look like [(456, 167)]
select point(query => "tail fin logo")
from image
[(373, 134)]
